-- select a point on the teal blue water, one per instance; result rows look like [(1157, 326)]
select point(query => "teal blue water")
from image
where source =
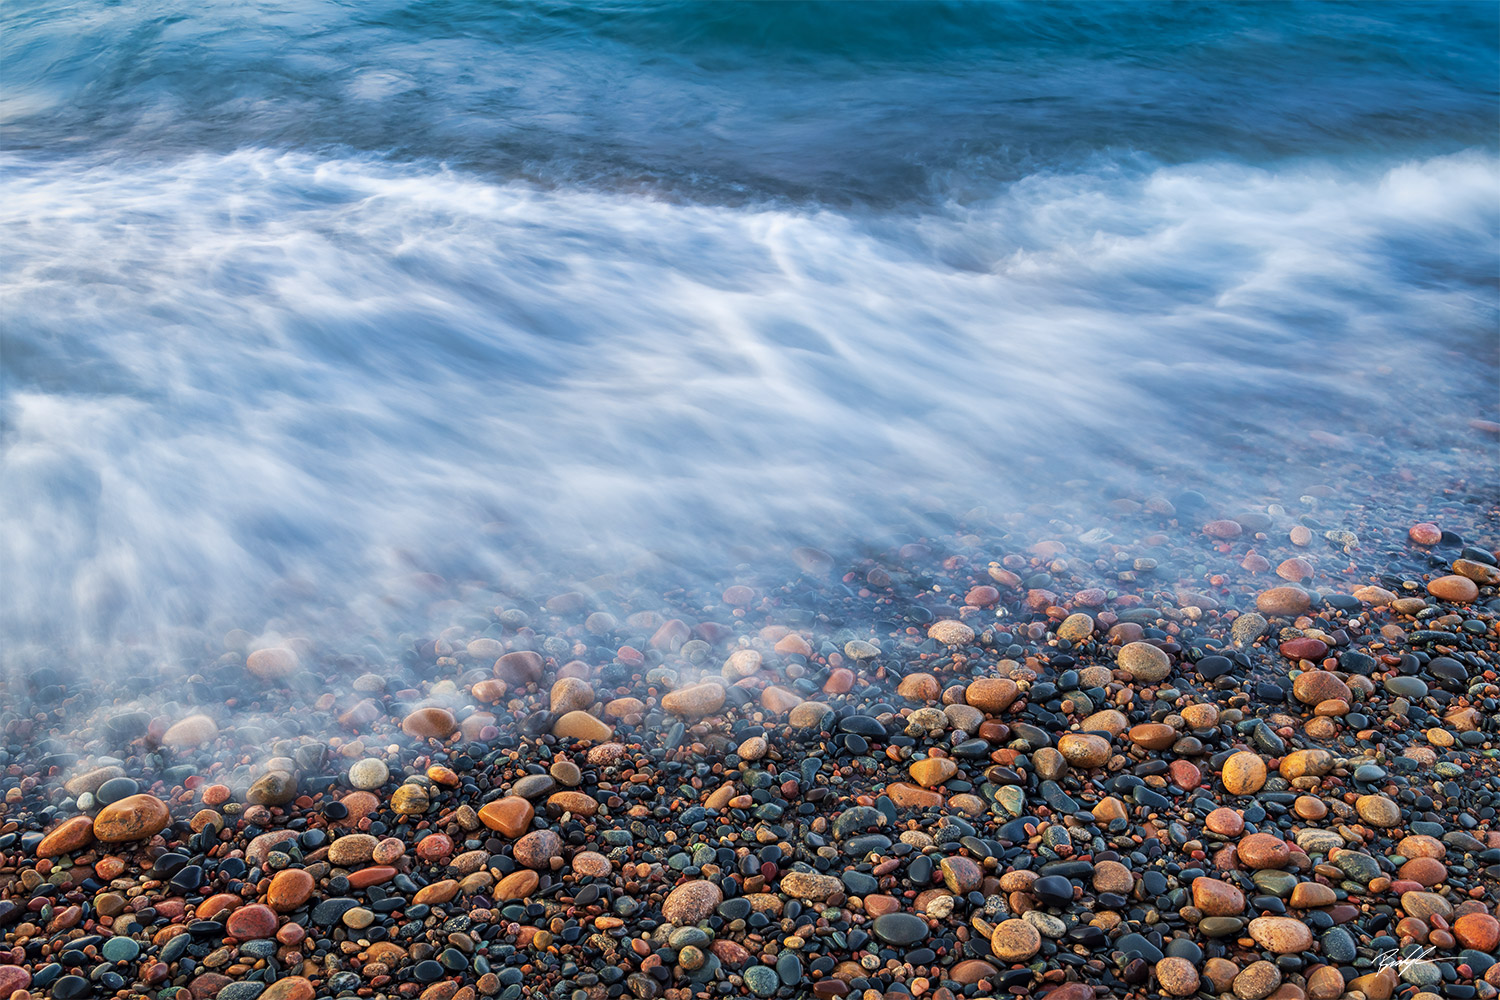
[(303, 298)]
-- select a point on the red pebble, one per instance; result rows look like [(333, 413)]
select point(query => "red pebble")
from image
[(434, 847), (1425, 533), (251, 922), (1304, 648)]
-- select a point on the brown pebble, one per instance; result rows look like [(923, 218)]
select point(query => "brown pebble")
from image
[(1457, 589), (1015, 941), (134, 817), (691, 902), (429, 723), (1283, 601), (510, 816), (537, 849)]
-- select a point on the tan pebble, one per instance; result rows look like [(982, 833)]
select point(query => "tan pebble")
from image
[(519, 668), (429, 723), (741, 663), (1282, 935), (1283, 601), (1153, 735), (1377, 810), (1015, 940), (134, 817), (191, 732), (1244, 773), (1177, 976), (753, 748), (1217, 898), (919, 687), (691, 902), (580, 725), (576, 803), (992, 695), (410, 800), (696, 700), (570, 694), (1076, 627), (1258, 981), (951, 633), (273, 664), (1084, 749), (1144, 662), (1295, 570)]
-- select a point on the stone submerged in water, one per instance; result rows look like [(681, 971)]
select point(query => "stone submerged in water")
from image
[(951, 633), (580, 725), (275, 663), (695, 700), (193, 731), (1283, 601)]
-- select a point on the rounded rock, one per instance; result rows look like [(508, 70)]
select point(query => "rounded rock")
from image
[(992, 695), (1244, 773), (1283, 601), (429, 724), (537, 849), (570, 694), (193, 731), (1144, 662), (368, 774), (1282, 935), (134, 817), (580, 725), (1177, 977), (691, 902), (1015, 940), (1454, 589), (1377, 810), (694, 701), (272, 664), (951, 633), (1084, 749)]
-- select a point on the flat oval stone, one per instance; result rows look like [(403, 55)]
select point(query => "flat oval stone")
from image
[(900, 928), (1143, 661), (691, 902), (695, 700), (134, 817), (1015, 940), (1282, 935)]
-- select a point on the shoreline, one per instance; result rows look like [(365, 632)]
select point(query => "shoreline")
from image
[(958, 766)]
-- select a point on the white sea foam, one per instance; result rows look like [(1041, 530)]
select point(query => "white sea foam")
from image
[(236, 385)]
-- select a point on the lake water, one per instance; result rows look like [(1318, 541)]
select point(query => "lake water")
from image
[(306, 305)]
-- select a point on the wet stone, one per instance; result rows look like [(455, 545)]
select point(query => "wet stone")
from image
[(900, 928)]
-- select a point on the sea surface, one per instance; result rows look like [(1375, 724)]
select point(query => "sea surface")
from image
[(303, 305)]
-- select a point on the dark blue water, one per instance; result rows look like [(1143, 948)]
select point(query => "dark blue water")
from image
[(303, 298)]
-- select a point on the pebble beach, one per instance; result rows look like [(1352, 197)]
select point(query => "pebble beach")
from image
[(1191, 749)]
